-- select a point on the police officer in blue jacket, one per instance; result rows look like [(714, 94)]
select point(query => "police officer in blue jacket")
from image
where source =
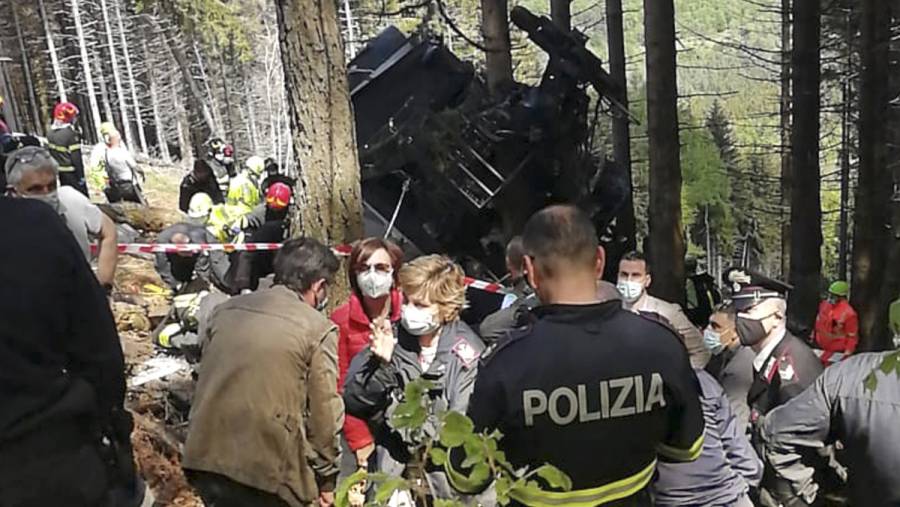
[(597, 391)]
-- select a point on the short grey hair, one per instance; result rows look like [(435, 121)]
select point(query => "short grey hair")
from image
[(27, 159)]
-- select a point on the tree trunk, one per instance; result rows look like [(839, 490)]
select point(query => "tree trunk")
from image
[(211, 99), (324, 134), (890, 289), (667, 246), (351, 35), (33, 112), (104, 91), (86, 68), (872, 234), (132, 84), (51, 48), (806, 210), (154, 101), (785, 115), (498, 59), (621, 134), (117, 80), (561, 13)]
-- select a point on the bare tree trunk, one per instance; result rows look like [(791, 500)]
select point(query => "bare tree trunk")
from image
[(667, 246), (34, 114), (872, 233), (104, 91), (54, 59), (229, 124), (154, 101), (250, 112), (785, 115), (621, 134), (132, 84), (498, 59), (324, 134), (561, 13), (117, 80), (217, 118), (846, 100), (86, 68), (351, 35), (806, 208)]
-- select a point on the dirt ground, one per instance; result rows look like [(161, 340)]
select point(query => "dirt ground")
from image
[(140, 301)]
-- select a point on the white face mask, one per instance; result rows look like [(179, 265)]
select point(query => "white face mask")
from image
[(375, 284), (52, 199), (418, 321), (712, 341), (630, 291)]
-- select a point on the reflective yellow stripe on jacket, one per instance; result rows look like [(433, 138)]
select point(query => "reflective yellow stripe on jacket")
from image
[(64, 149), (676, 454), (611, 492), (623, 488)]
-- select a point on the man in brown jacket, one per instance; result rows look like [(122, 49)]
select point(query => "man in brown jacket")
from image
[(266, 413)]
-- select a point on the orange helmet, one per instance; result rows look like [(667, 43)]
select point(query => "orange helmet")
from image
[(278, 196), (65, 112)]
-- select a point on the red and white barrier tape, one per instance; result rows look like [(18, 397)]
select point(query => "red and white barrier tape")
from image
[(342, 250)]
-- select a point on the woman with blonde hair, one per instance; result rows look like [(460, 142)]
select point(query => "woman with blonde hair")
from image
[(431, 342)]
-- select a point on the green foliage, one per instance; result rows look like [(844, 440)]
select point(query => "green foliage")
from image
[(890, 365), (483, 462)]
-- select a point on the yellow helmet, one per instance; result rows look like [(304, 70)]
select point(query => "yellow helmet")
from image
[(255, 165), (200, 206)]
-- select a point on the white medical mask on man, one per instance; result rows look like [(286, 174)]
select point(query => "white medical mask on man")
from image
[(418, 321), (375, 284), (630, 290), (712, 340)]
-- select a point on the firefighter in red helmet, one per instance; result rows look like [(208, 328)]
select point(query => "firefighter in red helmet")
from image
[(64, 141)]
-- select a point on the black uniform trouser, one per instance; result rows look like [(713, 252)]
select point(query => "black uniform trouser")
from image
[(248, 267), (220, 491), (123, 191), (70, 476), (74, 179)]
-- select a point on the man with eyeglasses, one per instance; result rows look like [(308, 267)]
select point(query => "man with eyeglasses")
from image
[(32, 173)]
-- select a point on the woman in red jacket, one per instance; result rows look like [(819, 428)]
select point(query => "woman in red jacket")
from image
[(374, 264)]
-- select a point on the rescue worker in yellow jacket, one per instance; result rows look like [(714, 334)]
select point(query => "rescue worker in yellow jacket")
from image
[(243, 190), (224, 221)]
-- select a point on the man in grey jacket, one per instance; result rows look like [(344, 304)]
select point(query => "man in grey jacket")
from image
[(844, 404)]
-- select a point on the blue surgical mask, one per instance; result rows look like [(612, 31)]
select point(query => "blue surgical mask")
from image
[(712, 340)]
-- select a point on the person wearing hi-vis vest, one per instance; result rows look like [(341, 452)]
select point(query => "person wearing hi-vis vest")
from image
[(837, 324), (597, 391)]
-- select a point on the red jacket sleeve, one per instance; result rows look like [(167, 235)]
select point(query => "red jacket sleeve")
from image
[(356, 431)]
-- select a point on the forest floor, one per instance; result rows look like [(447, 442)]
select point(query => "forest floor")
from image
[(140, 302)]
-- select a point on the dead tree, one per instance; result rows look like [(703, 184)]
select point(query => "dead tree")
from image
[(667, 247), (132, 83), (51, 48), (806, 209), (321, 120), (86, 67), (873, 196)]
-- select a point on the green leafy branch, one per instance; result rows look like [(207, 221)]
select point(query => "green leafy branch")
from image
[(890, 365), (484, 460)]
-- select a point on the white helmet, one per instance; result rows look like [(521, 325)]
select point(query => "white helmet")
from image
[(200, 206), (255, 165)]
